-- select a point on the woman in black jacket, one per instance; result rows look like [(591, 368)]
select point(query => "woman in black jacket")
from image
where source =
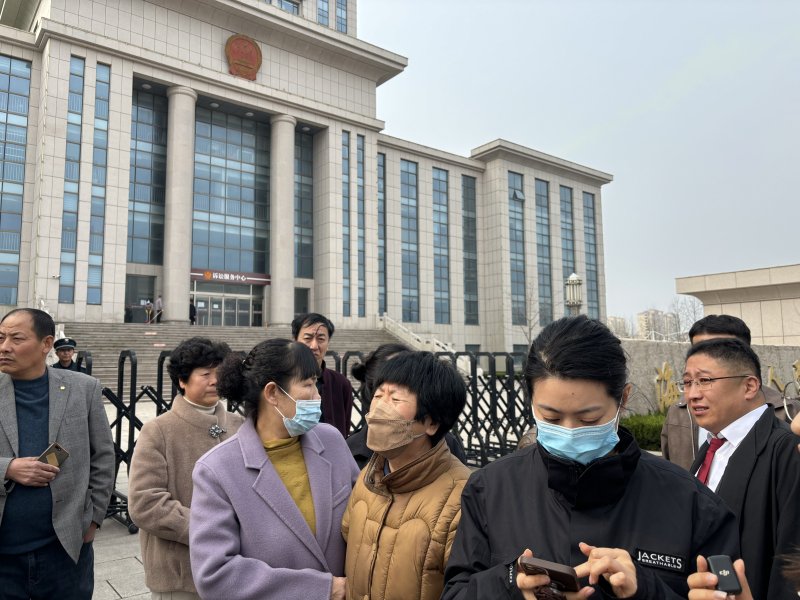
[(585, 495)]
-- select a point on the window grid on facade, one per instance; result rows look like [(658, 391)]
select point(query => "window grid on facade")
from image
[(409, 240), (94, 289), (381, 234), (341, 16), (544, 265), (72, 175), (290, 6), (361, 238), (590, 237), (148, 177), (346, 223), (441, 248), (323, 16), (516, 237), (469, 225), (15, 81), (304, 205), (567, 233), (230, 224)]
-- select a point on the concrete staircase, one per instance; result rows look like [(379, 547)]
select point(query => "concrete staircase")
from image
[(106, 340)]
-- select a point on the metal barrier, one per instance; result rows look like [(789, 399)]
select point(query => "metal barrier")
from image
[(494, 420)]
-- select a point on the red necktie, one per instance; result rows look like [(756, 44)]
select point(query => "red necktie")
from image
[(705, 468)]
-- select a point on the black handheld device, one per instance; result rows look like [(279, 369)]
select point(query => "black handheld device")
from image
[(727, 581)]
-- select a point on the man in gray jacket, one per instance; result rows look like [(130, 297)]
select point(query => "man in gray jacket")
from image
[(51, 501)]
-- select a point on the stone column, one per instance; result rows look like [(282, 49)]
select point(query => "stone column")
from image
[(281, 220), (175, 283)]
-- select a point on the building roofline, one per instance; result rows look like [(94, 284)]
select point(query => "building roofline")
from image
[(782, 275), (501, 148), (383, 64), (431, 153)]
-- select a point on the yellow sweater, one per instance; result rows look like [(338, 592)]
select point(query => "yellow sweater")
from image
[(287, 458)]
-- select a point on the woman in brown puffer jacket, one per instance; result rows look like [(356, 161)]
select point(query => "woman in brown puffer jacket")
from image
[(405, 507)]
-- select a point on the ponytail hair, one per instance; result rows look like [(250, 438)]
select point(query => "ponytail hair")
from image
[(242, 377)]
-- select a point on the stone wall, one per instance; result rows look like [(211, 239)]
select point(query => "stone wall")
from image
[(646, 359)]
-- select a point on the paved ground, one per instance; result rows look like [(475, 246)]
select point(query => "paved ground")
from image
[(118, 569)]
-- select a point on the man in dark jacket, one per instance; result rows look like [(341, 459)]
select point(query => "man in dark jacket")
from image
[(749, 459), (680, 436), (65, 350), (315, 331)]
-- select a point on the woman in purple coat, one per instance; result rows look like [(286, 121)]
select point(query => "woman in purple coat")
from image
[(268, 503)]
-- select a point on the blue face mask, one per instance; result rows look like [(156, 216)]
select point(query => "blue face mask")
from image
[(582, 444), (306, 415)]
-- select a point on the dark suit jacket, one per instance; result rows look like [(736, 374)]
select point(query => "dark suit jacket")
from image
[(679, 434), (78, 422), (337, 399), (761, 484)]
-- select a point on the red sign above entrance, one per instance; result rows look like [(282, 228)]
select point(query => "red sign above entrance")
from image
[(231, 277)]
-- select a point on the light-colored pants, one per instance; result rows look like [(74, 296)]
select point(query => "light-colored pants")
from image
[(174, 596)]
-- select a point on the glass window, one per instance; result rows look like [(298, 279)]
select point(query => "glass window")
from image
[(148, 175), (361, 227), (469, 224), (341, 16), (290, 6), (441, 247), (516, 233), (69, 224), (545, 276), (322, 12), (590, 238), (409, 247), (567, 234), (223, 193), (346, 224), (381, 233), (303, 205)]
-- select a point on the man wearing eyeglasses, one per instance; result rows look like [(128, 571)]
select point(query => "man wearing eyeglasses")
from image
[(680, 436), (748, 459)]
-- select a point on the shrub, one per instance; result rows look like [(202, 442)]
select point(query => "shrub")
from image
[(646, 429)]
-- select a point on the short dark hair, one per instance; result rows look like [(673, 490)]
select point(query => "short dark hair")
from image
[(43, 324), (731, 351), (577, 348), (440, 389), (721, 325), (241, 377), (195, 353), (308, 319), (367, 371)]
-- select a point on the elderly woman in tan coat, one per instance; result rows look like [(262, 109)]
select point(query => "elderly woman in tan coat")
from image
[(160, 488), (405, 507)]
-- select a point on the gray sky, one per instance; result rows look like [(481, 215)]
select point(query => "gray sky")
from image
[(693, 106)]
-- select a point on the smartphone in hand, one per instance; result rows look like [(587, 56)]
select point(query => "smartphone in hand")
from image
[(54, 455), (562, 578), (722, 567)]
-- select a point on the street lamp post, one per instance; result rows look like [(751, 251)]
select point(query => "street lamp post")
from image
[(574, 294)]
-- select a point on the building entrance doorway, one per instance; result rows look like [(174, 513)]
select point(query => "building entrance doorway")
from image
[(228, 304)]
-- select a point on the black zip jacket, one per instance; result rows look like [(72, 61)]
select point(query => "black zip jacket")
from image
[(630, 499)]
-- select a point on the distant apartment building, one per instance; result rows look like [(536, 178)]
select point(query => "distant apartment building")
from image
[(619, 326), (658, 325)]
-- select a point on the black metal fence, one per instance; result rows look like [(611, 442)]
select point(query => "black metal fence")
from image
[(495, 418)]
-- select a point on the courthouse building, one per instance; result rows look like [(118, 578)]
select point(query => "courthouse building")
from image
[(230, 152)]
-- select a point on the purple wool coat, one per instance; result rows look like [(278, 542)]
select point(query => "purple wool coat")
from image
[(248, 539)]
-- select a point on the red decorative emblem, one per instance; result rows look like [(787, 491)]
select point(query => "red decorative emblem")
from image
[(244, 56)]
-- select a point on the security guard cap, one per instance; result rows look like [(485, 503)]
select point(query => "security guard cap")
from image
[(65, 343)]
